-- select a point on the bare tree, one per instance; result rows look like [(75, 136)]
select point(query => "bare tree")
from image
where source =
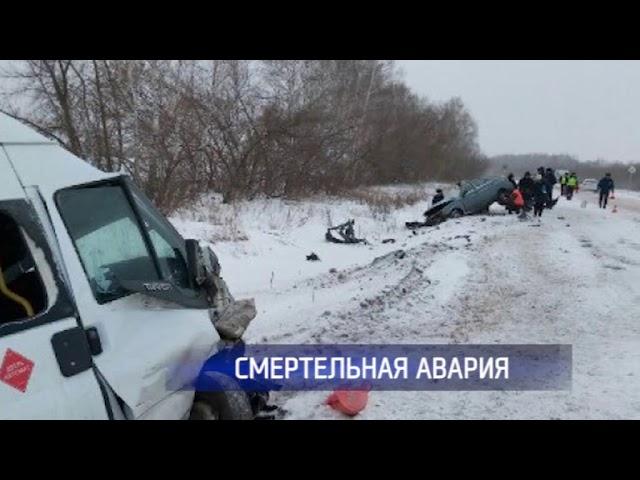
[(246, 128)]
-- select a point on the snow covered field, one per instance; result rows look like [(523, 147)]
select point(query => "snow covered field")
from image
[(574, 278)]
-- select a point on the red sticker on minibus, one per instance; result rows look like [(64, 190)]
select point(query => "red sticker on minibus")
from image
[(16, 370)]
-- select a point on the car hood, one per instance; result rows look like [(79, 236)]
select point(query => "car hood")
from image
[(439, 206)]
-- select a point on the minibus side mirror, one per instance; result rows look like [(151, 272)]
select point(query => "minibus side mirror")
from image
[(195, 264), (202, 263)]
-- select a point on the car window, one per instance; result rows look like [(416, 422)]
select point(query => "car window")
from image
[(466, 188), (22, 292), (107, 237)]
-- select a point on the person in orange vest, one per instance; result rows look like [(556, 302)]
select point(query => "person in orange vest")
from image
[(571, 186), (517, 201)]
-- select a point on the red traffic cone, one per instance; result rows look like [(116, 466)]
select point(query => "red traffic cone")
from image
[(349, 402)]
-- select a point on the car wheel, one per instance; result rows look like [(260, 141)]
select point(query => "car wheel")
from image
[(456, 213), (230, 403)]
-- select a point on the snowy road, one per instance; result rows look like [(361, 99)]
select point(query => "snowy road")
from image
[(574, 278)]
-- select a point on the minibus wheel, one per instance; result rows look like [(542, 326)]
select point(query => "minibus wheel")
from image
[(229, 403)]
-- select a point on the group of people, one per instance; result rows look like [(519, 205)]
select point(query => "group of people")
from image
[(569, 185), (533, 192), (536, 191)]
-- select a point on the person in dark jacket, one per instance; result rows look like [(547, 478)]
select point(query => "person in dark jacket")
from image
[(511, 178), (540, 195), (438, 197), (550, 180), (526, 188), (605, 185)]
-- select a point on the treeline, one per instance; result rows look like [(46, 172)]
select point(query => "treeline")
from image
[(246, 128), (518, 164)]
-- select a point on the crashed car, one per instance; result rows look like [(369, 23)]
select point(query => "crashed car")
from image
[(106, 311), (474, 196)]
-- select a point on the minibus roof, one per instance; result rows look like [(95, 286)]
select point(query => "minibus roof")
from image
[(14, 132), (40, 161)]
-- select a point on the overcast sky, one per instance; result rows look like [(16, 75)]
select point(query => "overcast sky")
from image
[(590, 109)]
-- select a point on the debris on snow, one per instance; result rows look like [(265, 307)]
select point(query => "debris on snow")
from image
[(346, 232)]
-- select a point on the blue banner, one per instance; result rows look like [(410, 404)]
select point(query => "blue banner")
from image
[(396, 367)]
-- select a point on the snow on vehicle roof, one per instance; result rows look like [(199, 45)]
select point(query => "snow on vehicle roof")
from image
[(37, 160), (13, 131)]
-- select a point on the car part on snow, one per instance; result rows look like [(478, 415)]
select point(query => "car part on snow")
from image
[(430, 222), (349, 402), (312, 257), (415, 225), (346, 232)]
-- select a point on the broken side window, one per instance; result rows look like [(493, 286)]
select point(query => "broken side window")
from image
[(22, 292)]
